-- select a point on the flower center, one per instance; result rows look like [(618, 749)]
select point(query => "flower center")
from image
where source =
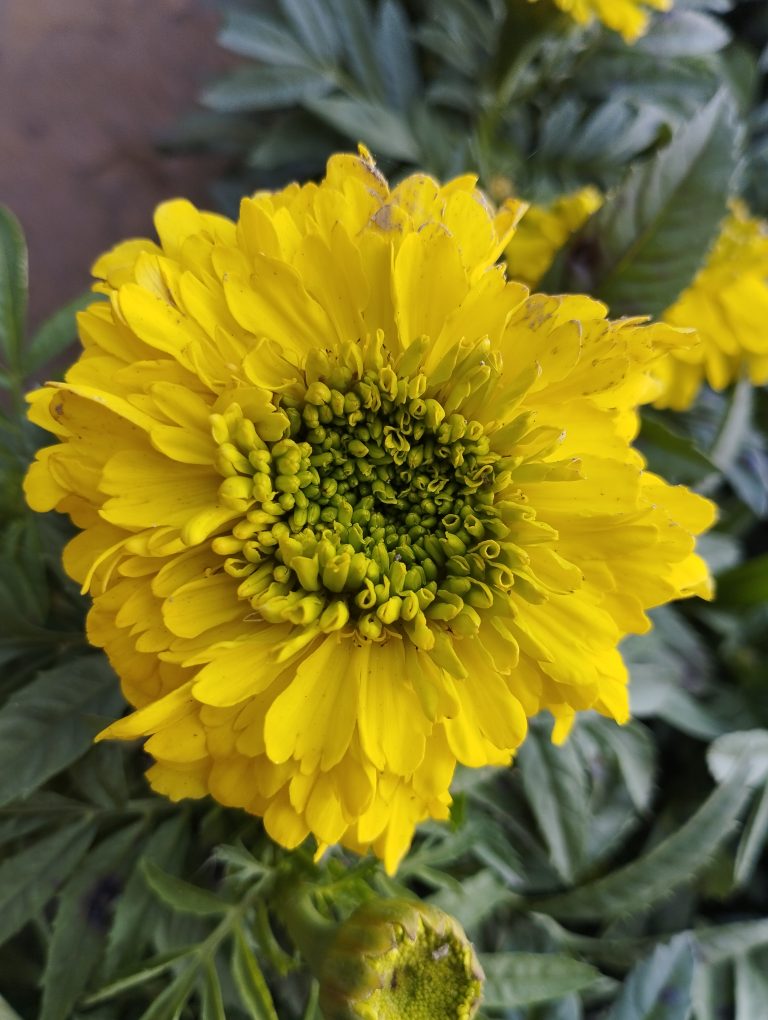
[(373, 509)]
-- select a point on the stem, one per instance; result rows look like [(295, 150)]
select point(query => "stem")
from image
[(310, 931)]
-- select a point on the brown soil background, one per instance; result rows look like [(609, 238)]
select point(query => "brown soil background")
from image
[(85, 86)]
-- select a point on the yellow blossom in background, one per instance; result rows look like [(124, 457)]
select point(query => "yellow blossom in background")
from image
[(544, 230), (727, 304), (629, 17), (353, 505)]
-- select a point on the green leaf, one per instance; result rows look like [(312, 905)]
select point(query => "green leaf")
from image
[(481, 894), (753, 841), (49, 723), (137, 909), (82, 921), (647, 880), (31, 878), (722, 942), (6, 1013), (647, 242), (745, 585), (555, 783), (149, 969), (671, 455), (55, 334), (314, 24), (354, 24), (684, 34), (13, 288), (659, 987), (522, 979), (751, 985), (725, 753), (211, 1000), (265, 88), (181, 895), (396, 55), (257, 36), (384, 131), (170, 1002), (635, 753), (249, 980)]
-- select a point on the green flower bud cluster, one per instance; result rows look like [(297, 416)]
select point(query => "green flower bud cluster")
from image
[(374, 508)]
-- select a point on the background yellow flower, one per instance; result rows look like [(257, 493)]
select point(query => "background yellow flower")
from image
[(629, 17)]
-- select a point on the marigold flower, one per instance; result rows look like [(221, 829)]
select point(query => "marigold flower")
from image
[(544, 230), (628, 17), (727, 304), (352, 504)]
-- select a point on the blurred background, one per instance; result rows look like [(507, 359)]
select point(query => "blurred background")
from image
[(85, 87)]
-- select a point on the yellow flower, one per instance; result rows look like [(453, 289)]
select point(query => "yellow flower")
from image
[(352, 504), (727, 304), (544, 230), (629, 17)]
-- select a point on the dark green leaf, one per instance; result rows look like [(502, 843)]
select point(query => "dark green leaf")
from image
[(659, 987), (647, 242), (265, 88), (635, 753), (13, 288), (315, 25), (684, 34), (257, 36), (522, 979), (745, 585), (753, 841), (671, 455), (648, 879), (170, 1002), (383, 130), (396, 55), (250, 981), (31, 878), (211, 1000), (55, 334), (82, 921), (181, 895), (480, 895), (355, 26), (137, 910), (555, 783), (725, 754), (151, 968), (52, 721)]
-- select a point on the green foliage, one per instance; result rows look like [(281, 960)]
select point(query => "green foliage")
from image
[(607, 879)]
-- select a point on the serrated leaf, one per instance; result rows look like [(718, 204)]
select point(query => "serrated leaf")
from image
[(136, 911), (149, 969), (555, 783), (55, 334), (383, 130), (265, 88), (635, 753), (31, 878), (249, 980), (13, 287), (643, 882), (49, 723), (659, 987), (725, 754), (646, 243), (523, 979), (82, 921), (181, 895)]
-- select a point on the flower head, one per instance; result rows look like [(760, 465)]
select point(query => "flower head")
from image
[(727, 304), (352, 504), (629, 17), (400, 960)]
